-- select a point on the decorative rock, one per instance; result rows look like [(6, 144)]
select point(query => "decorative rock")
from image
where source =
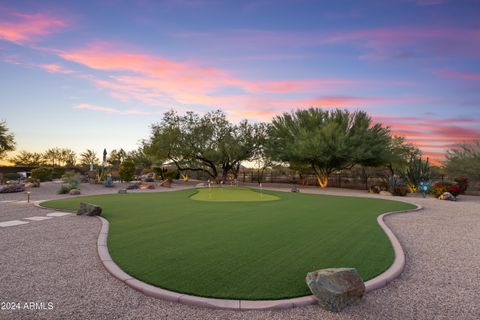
[(89, 209), (385, 193), (200, 185), (447, 196), (122, 191), (336, 288), (74, 192)]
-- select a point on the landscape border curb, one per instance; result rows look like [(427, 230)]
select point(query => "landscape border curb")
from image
[(378, 282)]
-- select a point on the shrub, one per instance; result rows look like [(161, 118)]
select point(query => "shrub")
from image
[(158, 171), (462, 183), (400, 191), (43, 174), (64, 189), (455, 190), (35, 182), (12, 176), (441, 187), (16, 187), (127, 170), (72, 181), (171, 175), (58, 172)]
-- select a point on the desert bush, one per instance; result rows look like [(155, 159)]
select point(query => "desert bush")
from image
[(455, 190), (441, 187), (400, 191), (158, 171), (35, 182), (58, 172), (127, 170), (43, 174), (12, 176), (64, 189), (462, 183)]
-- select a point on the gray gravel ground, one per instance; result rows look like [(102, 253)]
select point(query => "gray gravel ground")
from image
[(56, 261)]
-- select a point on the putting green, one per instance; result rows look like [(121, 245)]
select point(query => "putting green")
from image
[(255, 250), (232, 194)]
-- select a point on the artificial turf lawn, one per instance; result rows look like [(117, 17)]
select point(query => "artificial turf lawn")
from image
[(231, 194), (242, 250)]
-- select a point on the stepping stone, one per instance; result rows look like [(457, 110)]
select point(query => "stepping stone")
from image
[(58, 214), (38, 218), (12, 223)]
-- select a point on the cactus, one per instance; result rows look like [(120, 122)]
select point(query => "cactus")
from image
[(416, 171)]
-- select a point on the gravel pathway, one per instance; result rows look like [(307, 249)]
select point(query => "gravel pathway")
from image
[(56, 261)]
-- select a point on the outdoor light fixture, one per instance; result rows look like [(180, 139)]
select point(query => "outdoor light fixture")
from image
[(28, 196)]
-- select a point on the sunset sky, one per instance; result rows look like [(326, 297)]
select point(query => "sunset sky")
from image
[(96, 74)]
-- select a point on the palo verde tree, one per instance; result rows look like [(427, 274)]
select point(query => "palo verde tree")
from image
[(7, 140), (464, 161), (327, 141), (208, 143), (29, 159), (89, 157)]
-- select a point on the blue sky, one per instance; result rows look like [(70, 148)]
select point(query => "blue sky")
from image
[(96, 74)]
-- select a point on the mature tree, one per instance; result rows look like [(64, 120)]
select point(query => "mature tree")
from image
[(53, 156), (116, 157), (89, 157), (141, 157), (400, 153), (327, 140), (464, 161), (68, 157), (29, 159), (208, 143), (7, 140)]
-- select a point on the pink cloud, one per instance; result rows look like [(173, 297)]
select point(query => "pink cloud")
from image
[(109, 110), (22, 27), (55, 68), (95, 107), (433, 136), (156, 80)]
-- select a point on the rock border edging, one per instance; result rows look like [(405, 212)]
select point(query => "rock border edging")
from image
[(378, 282)]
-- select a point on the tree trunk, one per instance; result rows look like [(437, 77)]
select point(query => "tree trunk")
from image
[(322, 176), (322, 180)]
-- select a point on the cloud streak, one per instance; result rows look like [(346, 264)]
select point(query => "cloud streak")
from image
[(23, 28)]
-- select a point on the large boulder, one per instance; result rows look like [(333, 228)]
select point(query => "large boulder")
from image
[(336, 288), (74, 192), (89, 209), (447, 196), (385, 193)]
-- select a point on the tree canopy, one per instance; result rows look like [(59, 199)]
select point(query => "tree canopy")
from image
[(327, 140), (208, 143), (464, 161), (7, 140), (89, 157)]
